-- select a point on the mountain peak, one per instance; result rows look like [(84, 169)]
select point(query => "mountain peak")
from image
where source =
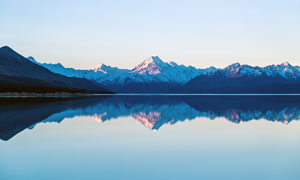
[(151, 65), (10, 52), (234, 66), (100, 68), (285, 64), (7, 50), (152, 59)]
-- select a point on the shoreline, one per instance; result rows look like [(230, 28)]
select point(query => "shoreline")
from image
[(63, 95), (43, 95)]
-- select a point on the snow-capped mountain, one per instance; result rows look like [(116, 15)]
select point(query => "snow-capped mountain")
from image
[(152, 69), (156, 76), (152, 65), (236, 78), (284, 70)]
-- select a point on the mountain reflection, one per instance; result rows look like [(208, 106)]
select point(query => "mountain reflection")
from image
[(152, 111)]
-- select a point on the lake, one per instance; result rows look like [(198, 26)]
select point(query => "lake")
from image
[(150, 137)]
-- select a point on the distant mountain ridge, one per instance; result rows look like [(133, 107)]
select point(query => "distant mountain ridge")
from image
[(236, 78), (156, 76), (17, 74)]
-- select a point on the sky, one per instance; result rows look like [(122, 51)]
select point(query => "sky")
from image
[(83, 34)]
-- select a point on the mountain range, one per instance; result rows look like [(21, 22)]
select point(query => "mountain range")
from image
[(156, 76), (150, 76), (236, 78)]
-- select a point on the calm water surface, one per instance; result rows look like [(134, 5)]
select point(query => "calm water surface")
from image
[(150, 137)]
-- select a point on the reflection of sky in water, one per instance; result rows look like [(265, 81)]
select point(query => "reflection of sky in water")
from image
[(151, 138), (82, 148)]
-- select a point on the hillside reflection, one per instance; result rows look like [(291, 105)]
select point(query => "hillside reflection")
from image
[(152, 111)]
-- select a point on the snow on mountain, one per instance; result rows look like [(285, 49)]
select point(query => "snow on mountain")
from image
[(283, 70), (151, 65), (152, 69), (100, 68), (288, 71), (102, 73), (155, 69)]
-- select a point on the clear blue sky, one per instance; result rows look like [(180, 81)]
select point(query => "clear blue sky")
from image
[(82, 34)]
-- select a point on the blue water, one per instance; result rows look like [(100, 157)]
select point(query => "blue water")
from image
[(146, 137)]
